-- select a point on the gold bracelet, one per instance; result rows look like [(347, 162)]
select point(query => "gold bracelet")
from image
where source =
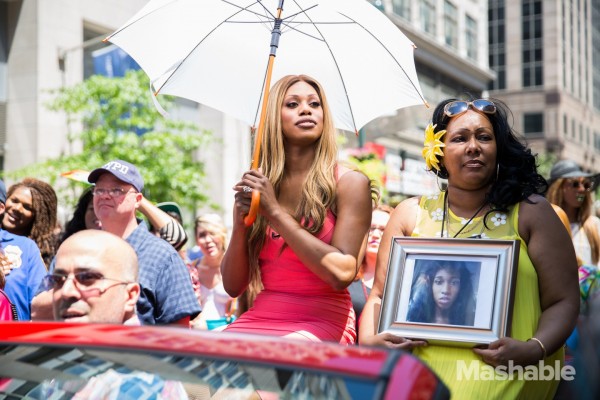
[(541, 345)]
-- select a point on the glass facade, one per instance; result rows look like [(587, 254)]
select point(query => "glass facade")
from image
[(401, 8), (497, 43), (450, 24), (595, 27), (428, 16), (533, 124), (471, 37), (531, 36)]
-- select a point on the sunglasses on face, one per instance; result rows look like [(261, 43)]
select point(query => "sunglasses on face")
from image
[(587, 185), (84, 281), (458, 107)]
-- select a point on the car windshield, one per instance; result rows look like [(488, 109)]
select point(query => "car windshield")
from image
[(42, 372)]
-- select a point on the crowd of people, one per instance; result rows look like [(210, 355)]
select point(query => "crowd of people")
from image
[(313, 266)]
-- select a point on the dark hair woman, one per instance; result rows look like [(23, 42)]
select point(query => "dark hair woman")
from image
[(442, 294), (31, 208)]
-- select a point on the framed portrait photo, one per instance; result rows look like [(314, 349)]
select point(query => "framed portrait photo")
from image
[(455, 292)]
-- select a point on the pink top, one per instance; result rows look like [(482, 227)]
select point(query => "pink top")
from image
[(6, 307), (295, 302)]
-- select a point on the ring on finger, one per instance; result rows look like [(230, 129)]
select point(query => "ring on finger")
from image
[(246, 189)]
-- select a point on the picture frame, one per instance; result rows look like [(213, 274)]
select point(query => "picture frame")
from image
[(456, 292)]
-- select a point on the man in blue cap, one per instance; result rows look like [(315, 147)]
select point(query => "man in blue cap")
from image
[(167, 296), (23, 267)]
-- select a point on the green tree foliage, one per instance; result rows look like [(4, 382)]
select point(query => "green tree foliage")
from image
[(109, 112)]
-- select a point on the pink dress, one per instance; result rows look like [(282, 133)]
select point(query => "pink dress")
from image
[(295, 302)]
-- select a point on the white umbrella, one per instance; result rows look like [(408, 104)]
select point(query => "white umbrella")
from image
[(220, 53)]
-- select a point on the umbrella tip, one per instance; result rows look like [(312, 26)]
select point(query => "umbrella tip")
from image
[(427, 104), (356, 132), (105, 39)]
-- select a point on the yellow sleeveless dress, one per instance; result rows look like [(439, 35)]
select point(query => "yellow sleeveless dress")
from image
[(526, 312)]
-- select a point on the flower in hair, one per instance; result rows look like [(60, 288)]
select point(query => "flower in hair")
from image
[(433, 147)]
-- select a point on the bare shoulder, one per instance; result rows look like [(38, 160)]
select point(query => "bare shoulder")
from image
[(353, 193), (409, 205), (534, 206), (349, 177), (353, 184), (404, 217), (532, 211)]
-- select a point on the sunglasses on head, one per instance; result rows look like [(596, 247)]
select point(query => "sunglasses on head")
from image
[(586, 184), (458, 107)]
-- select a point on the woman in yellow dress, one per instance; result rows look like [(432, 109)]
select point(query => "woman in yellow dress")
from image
[(494, 192)]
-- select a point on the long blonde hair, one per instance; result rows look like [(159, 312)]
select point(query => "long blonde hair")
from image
[(555, 196), (318, 191)]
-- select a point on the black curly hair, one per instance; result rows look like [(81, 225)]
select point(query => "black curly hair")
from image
[(518, 177), (45, 206), (77, 223)]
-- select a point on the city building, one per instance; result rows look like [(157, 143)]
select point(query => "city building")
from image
[(39, 53), (451, 59), (47, 44), (548, 72)]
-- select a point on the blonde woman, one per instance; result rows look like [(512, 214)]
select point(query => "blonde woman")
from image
[(571, 189), (211, 237), (313, 217)]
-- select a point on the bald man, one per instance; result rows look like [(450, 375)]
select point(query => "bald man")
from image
[(95, 279)]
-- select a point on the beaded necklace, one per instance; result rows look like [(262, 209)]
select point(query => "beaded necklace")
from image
[(446, 219)]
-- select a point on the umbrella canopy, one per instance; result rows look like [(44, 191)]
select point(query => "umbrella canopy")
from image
[(216, 52)]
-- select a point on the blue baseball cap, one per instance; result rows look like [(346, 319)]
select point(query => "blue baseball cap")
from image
[(2, 192), (122, 170)]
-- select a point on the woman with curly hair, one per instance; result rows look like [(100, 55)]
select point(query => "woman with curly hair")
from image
[(31, 208), (313, 218), (84, 216), (494, 192), (442, 294)]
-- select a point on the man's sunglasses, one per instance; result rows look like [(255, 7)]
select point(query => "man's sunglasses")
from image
[(458, 107), (84, 281), (586, 184)]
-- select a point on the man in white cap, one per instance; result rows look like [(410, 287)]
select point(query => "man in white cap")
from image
[(167, 296)]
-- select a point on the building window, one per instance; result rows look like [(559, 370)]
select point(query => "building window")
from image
[(450, 24), (471, 37), (428, 16), (378, 4), (584, 83), (564, 44), (401, 8), (588, 138), (496, 40), (533, 124), (572, 42), (531, 35), (595, 27), (565, 126)]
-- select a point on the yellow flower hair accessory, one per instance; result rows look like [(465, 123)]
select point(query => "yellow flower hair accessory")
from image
[(433, 147)]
